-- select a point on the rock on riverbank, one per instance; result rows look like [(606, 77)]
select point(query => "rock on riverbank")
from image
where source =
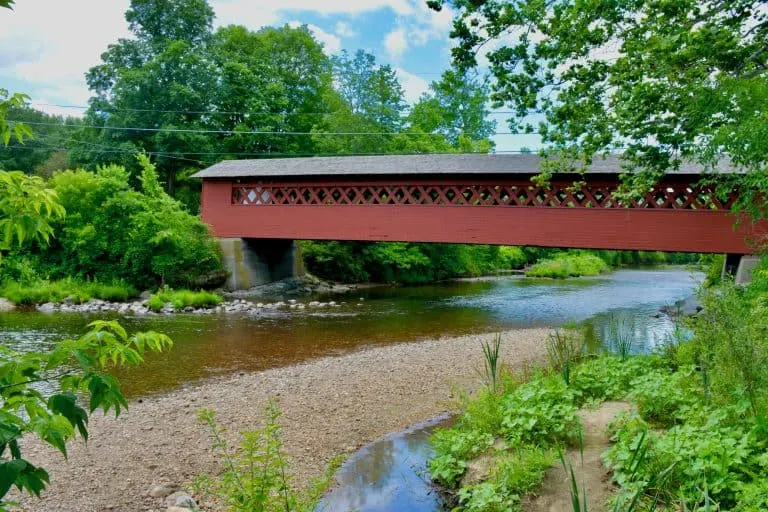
[(141, 307), (330, 406)]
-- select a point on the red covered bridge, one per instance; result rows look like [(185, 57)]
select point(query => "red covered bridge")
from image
[(482, 199)]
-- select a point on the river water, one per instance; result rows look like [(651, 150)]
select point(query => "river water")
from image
[(389, 473)]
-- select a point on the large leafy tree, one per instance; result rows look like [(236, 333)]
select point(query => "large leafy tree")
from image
[(274, 82), (161, 79), (663, 80)]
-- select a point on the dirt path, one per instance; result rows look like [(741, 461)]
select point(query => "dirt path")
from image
[(330, 406), (555, 495)]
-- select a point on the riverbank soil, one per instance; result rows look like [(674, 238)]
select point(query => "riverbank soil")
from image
[(331, 405), (555, 493)]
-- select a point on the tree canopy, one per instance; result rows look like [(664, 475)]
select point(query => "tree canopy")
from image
[(662, 81)]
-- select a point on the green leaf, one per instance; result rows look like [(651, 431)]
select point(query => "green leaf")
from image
[(66, 405), (9, 473)]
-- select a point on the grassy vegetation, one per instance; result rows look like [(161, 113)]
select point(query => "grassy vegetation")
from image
[(77, 291), (183, 298), (569, 265), (697, 438)]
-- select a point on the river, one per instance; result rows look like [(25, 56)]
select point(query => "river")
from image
[(210, 345), (389, 472)]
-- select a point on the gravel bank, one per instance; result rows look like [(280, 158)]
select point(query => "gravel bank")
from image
[(331, 405)]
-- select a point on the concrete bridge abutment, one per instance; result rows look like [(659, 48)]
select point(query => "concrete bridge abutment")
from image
[(740, 267), (256, 261)]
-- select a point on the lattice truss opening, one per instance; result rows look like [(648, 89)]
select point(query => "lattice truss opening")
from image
[(674, 196)]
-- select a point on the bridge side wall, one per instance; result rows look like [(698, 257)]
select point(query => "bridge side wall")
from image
[(596, 228)]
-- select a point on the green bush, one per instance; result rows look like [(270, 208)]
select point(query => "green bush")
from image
[(609, 377), (542, 412), (182, 299), (57, 291), (661, 397), (255, 474), (410, 263), (513, 475), (454, 447), (114, 233), (569, 265), (715, 451)]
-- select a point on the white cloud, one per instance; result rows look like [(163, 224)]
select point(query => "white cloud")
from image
[(257, 13), (396, 43), (344, 29), (413, 85), (331, 43)]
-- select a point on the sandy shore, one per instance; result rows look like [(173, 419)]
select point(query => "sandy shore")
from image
[(330, 406)]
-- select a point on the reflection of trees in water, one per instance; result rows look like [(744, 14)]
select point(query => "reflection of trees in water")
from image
[(387, 475)]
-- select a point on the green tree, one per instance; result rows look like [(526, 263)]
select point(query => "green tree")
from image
[(666, 80), (457, 108), (272, 81), (36, 152), (162, 79)]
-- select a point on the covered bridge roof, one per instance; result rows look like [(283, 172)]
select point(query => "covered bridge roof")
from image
[(405, 165)]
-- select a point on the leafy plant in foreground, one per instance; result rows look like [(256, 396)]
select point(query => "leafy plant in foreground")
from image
[(75, 369), (256, 475), (541, 412)]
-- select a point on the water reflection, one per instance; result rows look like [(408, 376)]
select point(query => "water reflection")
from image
[(209, 345), (387, 475)]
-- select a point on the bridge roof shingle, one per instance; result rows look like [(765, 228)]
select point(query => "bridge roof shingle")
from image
[(405, 165)]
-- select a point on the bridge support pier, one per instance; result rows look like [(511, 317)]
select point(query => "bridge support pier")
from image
[(740, 267), (256, 261)]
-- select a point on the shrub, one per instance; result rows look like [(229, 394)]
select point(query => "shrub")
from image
[(513, 475), (568, 265), (661, 396), (114, 233), (454, 447), (714, 454), (256, 473), (608, 377), (541, 411), (182, 299)]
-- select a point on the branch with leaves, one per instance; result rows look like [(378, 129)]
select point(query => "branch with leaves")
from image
[(79, 372)]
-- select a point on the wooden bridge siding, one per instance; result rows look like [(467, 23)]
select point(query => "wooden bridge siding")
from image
[(596, 228)]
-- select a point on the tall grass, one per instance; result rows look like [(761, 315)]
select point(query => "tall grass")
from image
[(621, 336), (66, 289), (565, 348), (491, 355)]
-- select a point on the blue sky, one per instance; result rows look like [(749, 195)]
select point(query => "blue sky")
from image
[(47, 45)]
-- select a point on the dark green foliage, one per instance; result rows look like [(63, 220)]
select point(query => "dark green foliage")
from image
[(402, 262), (514, 474), (608, 377), (719, 451), (662, 397), (113, 233)]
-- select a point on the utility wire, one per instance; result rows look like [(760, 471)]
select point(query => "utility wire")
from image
[(238, 132), (215, 112)]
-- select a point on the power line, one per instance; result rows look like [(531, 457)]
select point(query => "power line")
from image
[(250, 132), (263, 153), (219, 112)]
